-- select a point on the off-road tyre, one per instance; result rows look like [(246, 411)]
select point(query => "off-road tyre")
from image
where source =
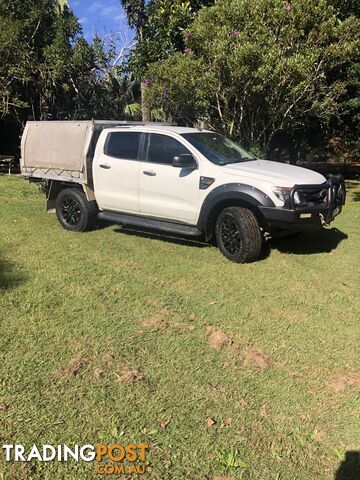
[(74, 211), (238, 235)]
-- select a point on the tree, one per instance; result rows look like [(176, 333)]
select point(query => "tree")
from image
[(346, 127), (183, 87), (346, 8), (271, 63), (136, 14), (159, 29), (49, 71), (47, 68)]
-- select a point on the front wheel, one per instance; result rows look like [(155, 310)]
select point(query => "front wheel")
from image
[(73, 210), (238, 235)]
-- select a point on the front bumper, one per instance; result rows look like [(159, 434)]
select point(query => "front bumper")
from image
[(295, 216)]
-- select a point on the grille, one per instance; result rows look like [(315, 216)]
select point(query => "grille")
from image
[(316, 196)]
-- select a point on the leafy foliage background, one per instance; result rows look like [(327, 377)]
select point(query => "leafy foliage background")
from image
[(262, 72)]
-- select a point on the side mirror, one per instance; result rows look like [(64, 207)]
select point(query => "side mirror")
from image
[(186, 160)]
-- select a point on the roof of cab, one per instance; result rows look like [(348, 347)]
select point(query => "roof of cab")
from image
[(160, 128)]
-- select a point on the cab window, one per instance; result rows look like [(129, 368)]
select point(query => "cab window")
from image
[(123, 145), (162, 149)]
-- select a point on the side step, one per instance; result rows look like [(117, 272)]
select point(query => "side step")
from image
[(133, 220)]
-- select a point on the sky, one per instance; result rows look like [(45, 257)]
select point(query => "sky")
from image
[(102, 17)]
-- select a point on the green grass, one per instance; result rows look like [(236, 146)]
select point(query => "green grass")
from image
[(74, 317)]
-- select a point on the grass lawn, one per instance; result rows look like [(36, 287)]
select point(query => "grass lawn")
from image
[(227, 371)]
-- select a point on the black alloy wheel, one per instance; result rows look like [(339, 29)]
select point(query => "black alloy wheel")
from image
[(230, 236), (70, 211)]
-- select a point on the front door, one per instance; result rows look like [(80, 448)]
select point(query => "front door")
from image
[(165, 191), (116, 172)]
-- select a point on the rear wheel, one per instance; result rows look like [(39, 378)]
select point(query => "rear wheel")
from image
[(238, 235), (73, 210)]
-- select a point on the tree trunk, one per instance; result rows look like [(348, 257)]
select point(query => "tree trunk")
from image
[(145, 110)]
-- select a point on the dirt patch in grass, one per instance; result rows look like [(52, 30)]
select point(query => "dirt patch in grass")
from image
[(241, 403), (210, 422), (164, 424), (254, 357), (184, 326), (133, 266), (344, 381), (99, 372), (263, 413), (218, 339), (72, 368), (319, 436), (109, 356), (130, 376), (154, 323), (4, 407)]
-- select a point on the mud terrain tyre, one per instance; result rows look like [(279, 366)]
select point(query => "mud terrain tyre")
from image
[(238, 235), (74, 212)]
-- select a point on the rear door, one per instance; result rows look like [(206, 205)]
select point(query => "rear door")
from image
[(116, 171), (167, 192)]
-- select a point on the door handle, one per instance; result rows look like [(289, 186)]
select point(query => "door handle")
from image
[(149, 173), (105, 165)]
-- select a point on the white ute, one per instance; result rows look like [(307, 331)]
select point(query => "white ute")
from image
[(181, 180)]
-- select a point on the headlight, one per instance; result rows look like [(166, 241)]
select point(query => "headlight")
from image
[(283, 193)]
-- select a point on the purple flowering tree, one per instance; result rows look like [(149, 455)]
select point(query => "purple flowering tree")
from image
[(280, 75)]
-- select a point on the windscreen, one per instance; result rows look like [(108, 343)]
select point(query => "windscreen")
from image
[(217, 148)]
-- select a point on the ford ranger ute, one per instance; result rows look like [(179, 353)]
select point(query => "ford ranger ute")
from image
[(186, 181)]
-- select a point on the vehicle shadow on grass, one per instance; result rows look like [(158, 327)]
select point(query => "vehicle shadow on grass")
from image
[(197, 242), (349, 469), (323, 241), (9, 278)]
